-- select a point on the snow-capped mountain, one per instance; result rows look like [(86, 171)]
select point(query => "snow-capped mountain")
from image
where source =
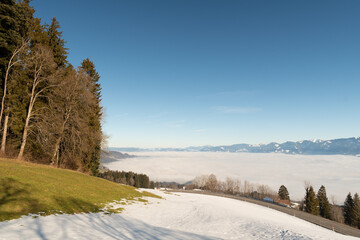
[(344, 146)]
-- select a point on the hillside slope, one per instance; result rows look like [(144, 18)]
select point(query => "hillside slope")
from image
[(31, 188), (176, 216)]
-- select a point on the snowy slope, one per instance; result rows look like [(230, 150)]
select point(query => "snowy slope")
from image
[(177, 216)]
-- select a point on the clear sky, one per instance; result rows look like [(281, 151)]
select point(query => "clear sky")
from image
[(179, 73)]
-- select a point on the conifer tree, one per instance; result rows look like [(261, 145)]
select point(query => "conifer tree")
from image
[(311, 202), (12, 42), (349, 215), (137, 180), (95, 117), (57, 43), (9, 34), (324, 205), (16, 19), (283, 193), (357, 210)]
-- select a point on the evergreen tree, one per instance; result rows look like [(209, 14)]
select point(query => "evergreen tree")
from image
[(38, 34), (89, 67), (144, 181), (95, 117), (349, 214), (16, 19), (324, 205), (10, 45), (311, 202), (57, 43), (283, 193), (137, 180), (9, 32), (357, 210)]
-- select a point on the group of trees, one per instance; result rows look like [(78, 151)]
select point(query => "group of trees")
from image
[(232, 186), (317, 204), (50, 111), (352, 210), (172, 185), (128, 178)]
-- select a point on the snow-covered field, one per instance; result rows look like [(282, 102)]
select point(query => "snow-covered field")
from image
[(177, 216), (338, 173)]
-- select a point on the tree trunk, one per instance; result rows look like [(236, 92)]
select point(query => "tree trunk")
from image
[(3, 142), (4, 94), (26, 128), (58, 140), (11, 63), (56, 152)]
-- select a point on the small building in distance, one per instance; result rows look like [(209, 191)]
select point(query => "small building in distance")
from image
[(285, 203)]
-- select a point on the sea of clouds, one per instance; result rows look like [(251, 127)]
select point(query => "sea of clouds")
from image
[(340, 174)]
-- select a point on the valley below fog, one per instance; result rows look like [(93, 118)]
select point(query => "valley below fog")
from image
[(338, 173)]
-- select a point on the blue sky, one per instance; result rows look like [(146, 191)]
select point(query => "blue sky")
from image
[(180, 73)]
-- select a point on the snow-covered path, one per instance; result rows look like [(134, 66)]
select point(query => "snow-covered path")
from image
[(177, 216)]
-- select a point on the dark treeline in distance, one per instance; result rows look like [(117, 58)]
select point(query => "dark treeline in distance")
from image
[(50, 110), (172, 185), (127, 178)]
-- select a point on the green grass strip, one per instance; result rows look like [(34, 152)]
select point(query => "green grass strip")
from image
[(32, 188)]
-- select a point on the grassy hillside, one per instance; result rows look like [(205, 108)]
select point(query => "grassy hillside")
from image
[(31, 188)]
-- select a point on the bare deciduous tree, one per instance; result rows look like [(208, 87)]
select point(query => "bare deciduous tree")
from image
[(68, 95), (14, 60), (211, 183), (237, 186), (200, 181), (66, 98), (229, 185), (265, 191), (41, 64), (336, 211), (246, 188)]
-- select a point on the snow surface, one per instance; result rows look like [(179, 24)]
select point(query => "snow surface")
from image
[(338, 173), (177, 216)]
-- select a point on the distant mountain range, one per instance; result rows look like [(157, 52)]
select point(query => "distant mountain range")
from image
[(343, 146), (112, 156)]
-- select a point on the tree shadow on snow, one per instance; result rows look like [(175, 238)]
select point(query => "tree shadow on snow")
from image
[(78, 226), (98, 226)]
